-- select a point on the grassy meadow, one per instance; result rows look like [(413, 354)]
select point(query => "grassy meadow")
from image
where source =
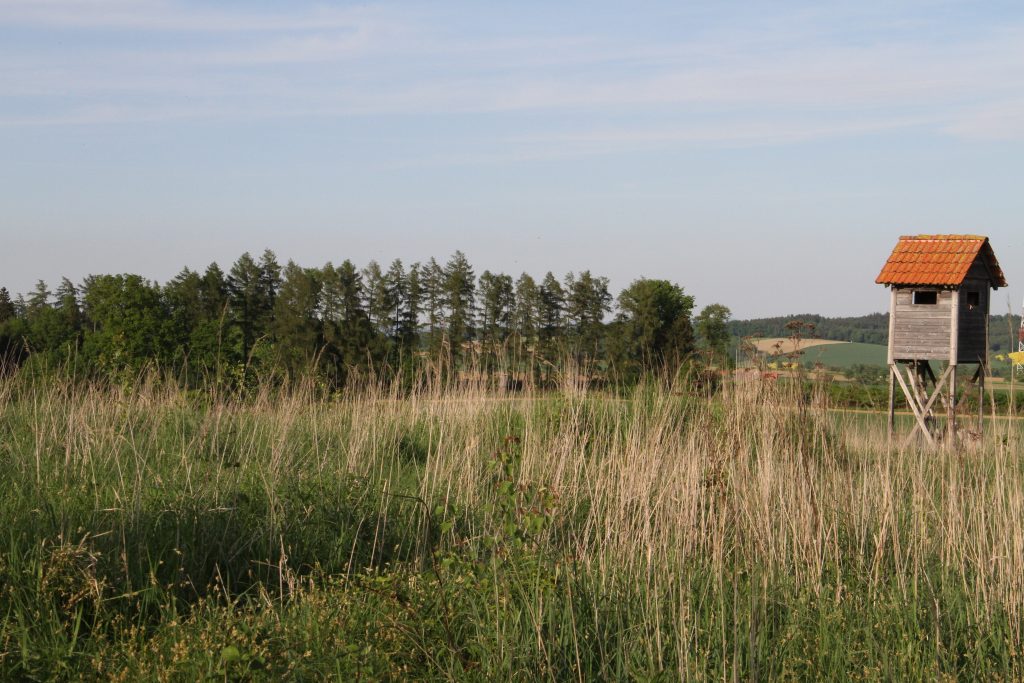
[(463, 533)]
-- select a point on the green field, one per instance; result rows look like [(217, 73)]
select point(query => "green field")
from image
[(834, 355), (845, 355)]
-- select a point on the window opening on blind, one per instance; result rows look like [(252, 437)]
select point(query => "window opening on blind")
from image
[(926, 298)]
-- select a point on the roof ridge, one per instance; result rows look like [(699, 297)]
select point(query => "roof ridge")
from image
[(946, 238)]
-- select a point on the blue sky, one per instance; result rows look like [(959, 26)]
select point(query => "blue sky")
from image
[(762, 155)]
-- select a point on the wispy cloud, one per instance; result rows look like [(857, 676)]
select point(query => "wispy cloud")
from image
[(718, 84), (157, 15)]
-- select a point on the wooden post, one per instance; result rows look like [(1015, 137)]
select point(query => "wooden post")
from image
[(922, 369), (893, 369), (892, 401), (892, 325), (981, 398), (954, 347)]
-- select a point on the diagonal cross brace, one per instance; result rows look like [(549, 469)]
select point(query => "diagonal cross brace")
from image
[(921, 411)]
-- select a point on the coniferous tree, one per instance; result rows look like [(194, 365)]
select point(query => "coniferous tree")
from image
[(13, 331), (552, 309), (6, 305), (298, 331), (38, 300), (526, 321), (459, 290), (183, 300), (48, 328), (70, 310), (270, 282), (348, 333), (587, 300), (409, 323), (397, 285), (497, 300), (433, 295), (66, 296), (526, 317), (378, 302), (249, 291), (213, 293), (9, 331)]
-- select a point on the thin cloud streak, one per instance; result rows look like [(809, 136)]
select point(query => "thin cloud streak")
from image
[(320, 63), (151, 15)]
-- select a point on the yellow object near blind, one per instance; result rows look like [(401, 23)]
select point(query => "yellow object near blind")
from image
[(1017, 357)]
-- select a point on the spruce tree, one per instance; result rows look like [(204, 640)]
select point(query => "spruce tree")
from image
[(497, 299), (396, 284), (39, 299), (459, 290), (183, 299), (378, 300), (552, 308), (213, 293), (348, 334), (409, 324), (247, 293), (525, 319), (433, 298), (297, 329), (587, 300), (7, 311)]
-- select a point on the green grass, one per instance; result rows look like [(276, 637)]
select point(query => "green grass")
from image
[(155, 535)]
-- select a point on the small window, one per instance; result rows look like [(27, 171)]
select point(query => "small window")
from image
[(926, 298), (973, 299)]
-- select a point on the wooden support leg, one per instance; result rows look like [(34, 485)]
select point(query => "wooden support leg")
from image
[(892, 400), (981, 398), (951, 407)]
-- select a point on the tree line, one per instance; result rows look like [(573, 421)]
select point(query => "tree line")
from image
[(261, 317), (867, 329)]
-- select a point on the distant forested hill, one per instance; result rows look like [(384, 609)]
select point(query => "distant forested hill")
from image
[(867, 329)]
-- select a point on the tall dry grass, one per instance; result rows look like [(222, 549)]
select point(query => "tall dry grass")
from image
[(756, 486)]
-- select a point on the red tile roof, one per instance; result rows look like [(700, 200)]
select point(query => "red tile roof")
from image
[(938, 260)]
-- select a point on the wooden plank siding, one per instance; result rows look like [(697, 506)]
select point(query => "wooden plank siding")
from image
[(973, 334), (922, 331)]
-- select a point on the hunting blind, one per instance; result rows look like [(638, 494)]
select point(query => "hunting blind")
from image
[(940, 287)]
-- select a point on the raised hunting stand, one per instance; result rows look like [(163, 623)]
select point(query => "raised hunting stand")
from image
[(939, 310)]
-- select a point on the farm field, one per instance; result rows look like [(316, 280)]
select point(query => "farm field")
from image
[(777, 345), (829, 353), (459, 534), (846, 354)]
